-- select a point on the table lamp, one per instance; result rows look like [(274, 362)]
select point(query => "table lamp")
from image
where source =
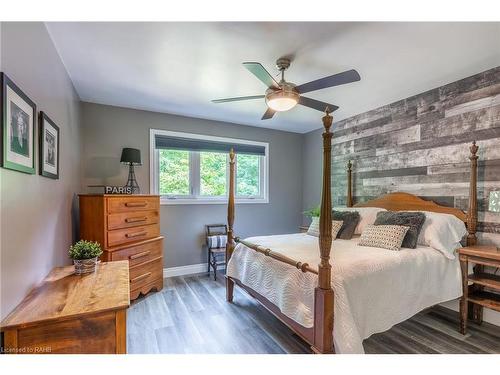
[(132, 157)]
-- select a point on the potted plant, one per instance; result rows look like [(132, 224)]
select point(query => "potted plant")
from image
[(85, 255), (313, 212)]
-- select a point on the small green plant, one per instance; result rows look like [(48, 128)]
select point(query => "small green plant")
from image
[(313, 212), (85, 250)]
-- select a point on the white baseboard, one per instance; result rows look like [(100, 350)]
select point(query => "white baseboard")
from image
[(187, 270)]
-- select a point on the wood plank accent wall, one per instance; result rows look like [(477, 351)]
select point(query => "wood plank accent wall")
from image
[(420, 145)]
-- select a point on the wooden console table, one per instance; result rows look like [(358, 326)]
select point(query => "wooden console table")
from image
[(68, 313)]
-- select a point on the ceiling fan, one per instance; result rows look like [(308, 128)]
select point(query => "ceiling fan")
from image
[(283, 96)]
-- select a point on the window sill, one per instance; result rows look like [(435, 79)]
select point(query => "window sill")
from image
[(180, 201)]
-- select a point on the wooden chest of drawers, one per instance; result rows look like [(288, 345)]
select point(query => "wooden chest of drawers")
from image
[(128, 228)]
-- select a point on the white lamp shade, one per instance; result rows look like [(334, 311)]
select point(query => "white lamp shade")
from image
[(282, 104), (282, 100)]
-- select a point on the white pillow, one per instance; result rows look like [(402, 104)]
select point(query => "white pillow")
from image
[(442, 232), (368, 215), (314, 227)]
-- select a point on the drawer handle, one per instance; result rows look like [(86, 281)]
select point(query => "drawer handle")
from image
[(136, 204), (140, 277), (135, 219), (140, 255), (138, 234)]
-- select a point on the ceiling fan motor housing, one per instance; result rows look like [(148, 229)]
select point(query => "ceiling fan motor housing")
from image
[(283, 63)]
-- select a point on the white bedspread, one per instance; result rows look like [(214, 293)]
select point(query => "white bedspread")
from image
[(374, 288)]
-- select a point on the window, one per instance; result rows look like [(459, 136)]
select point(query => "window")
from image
[(213, 174), (174, 172), (247, 175), (191, 168)]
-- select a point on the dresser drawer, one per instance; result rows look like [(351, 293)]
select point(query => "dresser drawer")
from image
[(146, 273), (129, 204), (132, 219), (128, 235), (141, 253)]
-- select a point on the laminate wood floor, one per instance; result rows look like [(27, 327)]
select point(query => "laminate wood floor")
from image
[(190, 315)]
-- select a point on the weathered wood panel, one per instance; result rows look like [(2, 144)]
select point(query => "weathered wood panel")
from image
[(421, 145)]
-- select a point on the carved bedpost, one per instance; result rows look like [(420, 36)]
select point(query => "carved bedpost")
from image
[(472, 212), (349, 202), (323, 294), (230, 222)]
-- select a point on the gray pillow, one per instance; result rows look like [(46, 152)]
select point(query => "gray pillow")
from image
[(414, 220), (350, 219)]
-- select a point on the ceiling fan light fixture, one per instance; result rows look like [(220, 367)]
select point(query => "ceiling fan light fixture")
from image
[(281, 101)]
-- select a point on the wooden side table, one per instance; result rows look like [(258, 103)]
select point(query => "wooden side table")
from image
[(475, 297)]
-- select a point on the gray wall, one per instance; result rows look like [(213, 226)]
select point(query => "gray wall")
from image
[(36, 224), (419, 145), (107, 129), (312, 164)]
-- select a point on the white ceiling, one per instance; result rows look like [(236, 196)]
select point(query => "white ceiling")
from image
[(179, 67)]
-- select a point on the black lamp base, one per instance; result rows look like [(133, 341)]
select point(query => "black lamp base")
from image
[(132, 182)]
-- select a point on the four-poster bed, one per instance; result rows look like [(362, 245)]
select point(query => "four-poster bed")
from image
[(319, 334)]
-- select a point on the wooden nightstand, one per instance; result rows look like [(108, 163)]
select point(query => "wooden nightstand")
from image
[(474, 295)]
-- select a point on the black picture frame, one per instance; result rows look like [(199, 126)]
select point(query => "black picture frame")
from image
[(48, 160), (13, 146)]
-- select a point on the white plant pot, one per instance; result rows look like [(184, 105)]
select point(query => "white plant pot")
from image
[(83, 266)]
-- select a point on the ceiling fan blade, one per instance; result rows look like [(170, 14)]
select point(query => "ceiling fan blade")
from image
[(330, 81), (268, 114), (238, 98), (261, 73), (316, 104)]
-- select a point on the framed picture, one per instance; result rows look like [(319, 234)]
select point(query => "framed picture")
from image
[(49, 147), (18, 114)]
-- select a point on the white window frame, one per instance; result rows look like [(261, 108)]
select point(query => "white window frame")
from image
[(194, 197)]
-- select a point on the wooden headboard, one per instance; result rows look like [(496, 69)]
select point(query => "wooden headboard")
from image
[(408, 202)]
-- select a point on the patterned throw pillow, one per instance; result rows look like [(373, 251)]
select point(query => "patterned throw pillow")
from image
[(314, 227), (350, 219), (413, 220), (388, 237)]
